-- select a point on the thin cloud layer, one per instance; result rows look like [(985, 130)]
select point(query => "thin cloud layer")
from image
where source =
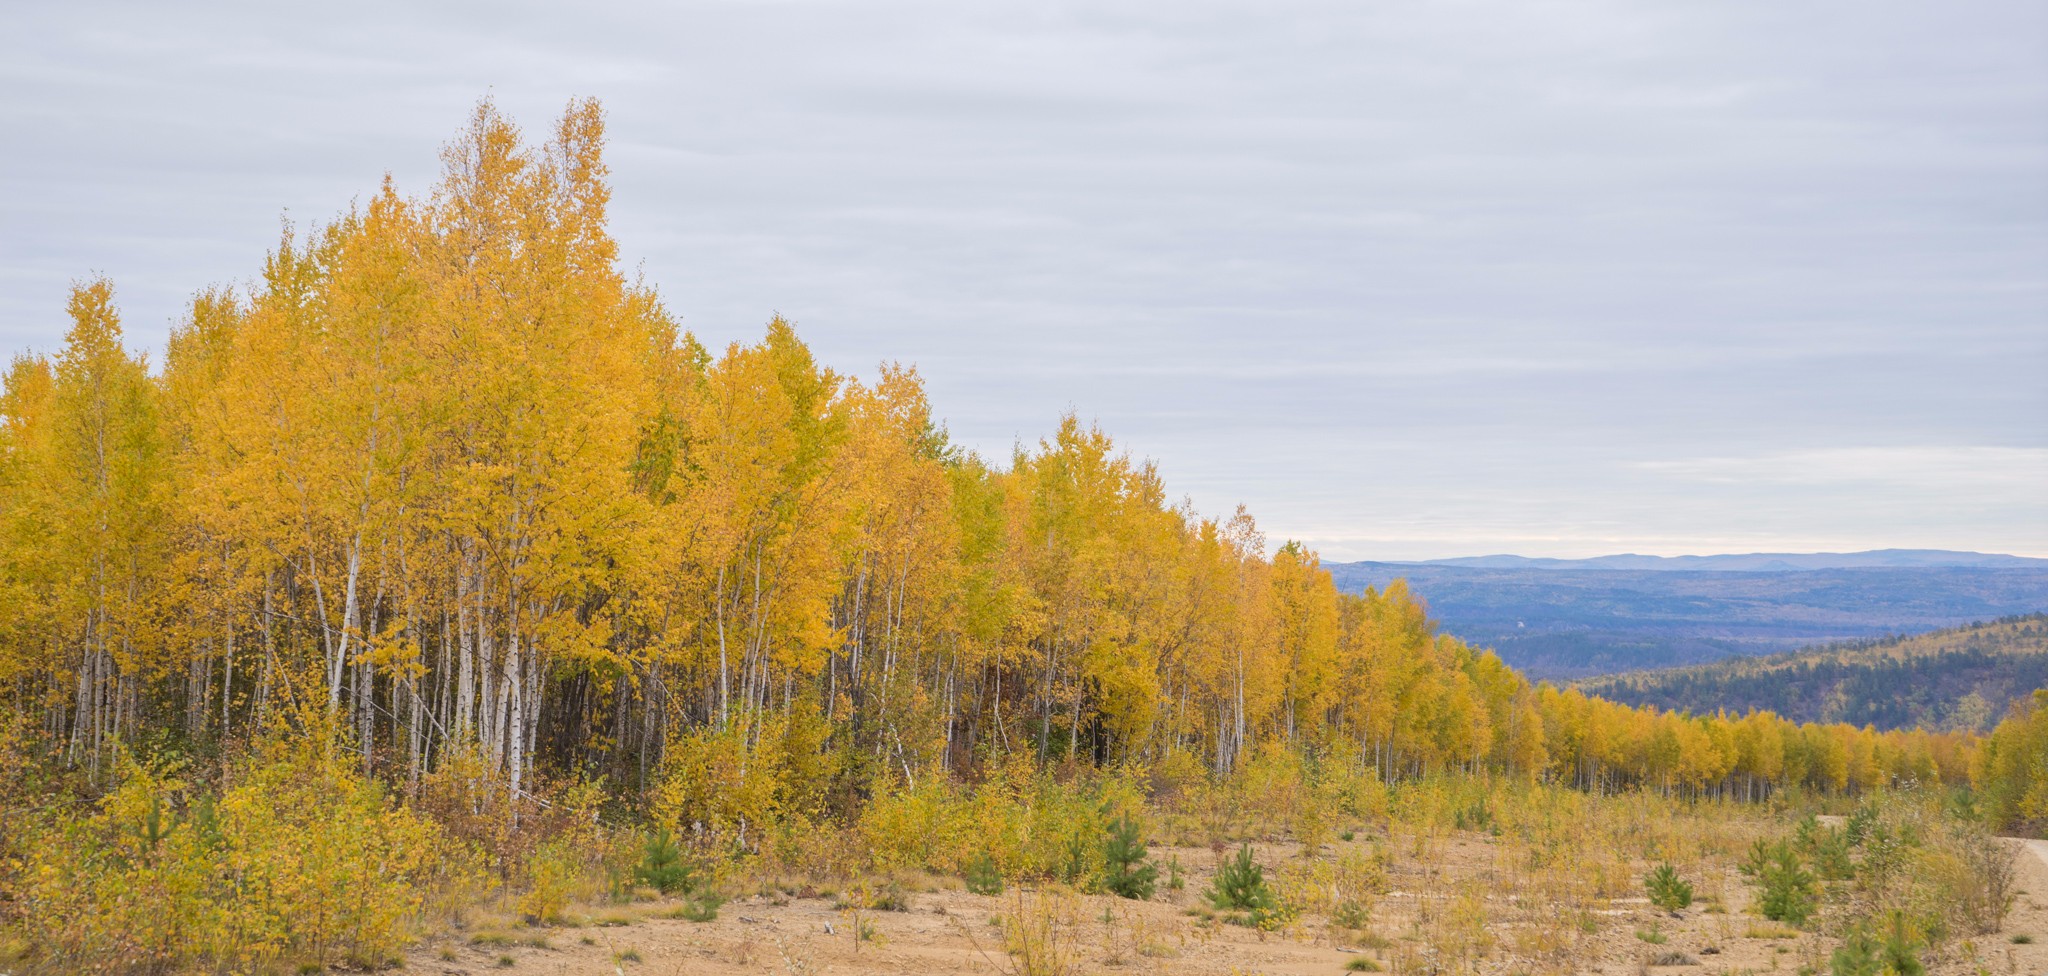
[(1409, 280)]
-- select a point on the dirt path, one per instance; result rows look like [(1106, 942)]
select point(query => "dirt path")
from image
[(2039, 847)]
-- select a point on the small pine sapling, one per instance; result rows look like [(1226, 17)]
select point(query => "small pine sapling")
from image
[(702, 905), (1127, 872), (983, 876), (662, 865), (1667, 890), (1240, 886), (1789, 890)]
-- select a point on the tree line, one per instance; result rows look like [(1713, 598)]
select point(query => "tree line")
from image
[(446, 477)]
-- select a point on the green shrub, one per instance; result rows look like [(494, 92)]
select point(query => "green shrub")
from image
[(1789, 891), (1667, 890), (1128, 874), (1830, 852), (662, 865), (983, 876), (1758, 859), (1240, 886), (702, 904), (1864, 953)]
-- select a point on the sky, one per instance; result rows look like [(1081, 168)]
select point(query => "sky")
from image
[(1409, 280)]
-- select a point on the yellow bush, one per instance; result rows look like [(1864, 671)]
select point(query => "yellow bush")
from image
[(298, 859), (717, 789)]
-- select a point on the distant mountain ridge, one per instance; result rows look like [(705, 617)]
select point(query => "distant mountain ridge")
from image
[(1755, 562), (1556, 620), (1961, 678)]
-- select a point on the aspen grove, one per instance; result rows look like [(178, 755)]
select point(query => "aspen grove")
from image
[(446, 488)]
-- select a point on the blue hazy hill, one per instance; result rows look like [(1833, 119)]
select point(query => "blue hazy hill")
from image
[(1574, 618)]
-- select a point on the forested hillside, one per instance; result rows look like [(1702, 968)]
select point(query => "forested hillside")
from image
[(444, 540), (1962, 678), (1575, 619)]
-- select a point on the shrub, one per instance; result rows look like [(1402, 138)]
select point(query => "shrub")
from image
[(554, 874), (1864, 953), (1988, 880), (1128, 875), (1351, 915), (702, 904), (1039, 933), (1789, 891), (1667, 890), (983, 876), (1758, 859), (1240, 886), (299, 859), (662, 865)]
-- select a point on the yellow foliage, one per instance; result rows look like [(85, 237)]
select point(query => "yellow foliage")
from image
[(297, 859)]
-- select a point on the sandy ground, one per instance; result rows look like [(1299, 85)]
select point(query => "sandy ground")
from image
[(950, 931)]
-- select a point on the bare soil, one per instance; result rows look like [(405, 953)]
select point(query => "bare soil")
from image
[(947, 930)]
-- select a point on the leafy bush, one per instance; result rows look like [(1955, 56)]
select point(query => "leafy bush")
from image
[(1667, 890), (298, 859), (1128, 875), (554, 875)]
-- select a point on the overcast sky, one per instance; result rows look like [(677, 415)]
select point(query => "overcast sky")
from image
[(1410, 280)]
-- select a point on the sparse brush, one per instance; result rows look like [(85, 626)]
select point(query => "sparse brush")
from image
[(1985, 889), (1351, 915), (701, 905), (1039, 936)]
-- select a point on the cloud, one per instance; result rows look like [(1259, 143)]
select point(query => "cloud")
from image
[(1459, 272), (2018, 472)]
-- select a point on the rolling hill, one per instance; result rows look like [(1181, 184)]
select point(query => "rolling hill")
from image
[(1567, 619), (1961, 678)]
